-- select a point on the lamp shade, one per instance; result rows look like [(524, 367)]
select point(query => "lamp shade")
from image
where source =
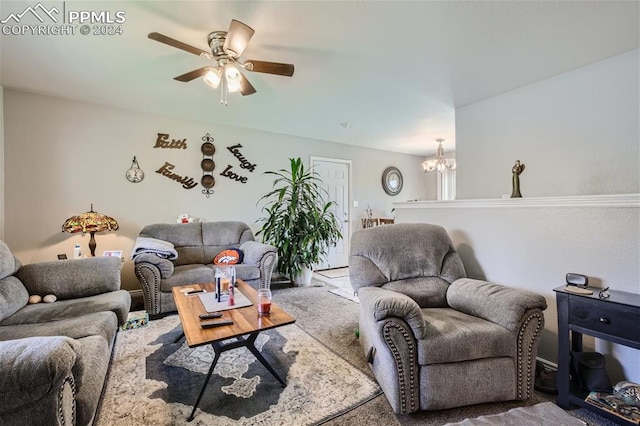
[(91, 222)]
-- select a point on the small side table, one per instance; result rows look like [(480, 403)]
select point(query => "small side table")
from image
[(615, 319)]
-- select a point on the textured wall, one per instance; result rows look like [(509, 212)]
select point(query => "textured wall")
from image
[(61, 156), (577, 133)]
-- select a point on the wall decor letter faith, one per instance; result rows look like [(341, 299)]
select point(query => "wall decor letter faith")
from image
[(186, 181), (163, 142)]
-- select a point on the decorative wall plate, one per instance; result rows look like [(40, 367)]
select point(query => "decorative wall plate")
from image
[(207, 165), (208, 148), (207, 181), (392, 180)]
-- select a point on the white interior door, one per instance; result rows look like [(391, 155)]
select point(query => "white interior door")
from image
[(335, 175)]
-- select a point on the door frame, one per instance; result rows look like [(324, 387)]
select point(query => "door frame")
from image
[(349, 163)]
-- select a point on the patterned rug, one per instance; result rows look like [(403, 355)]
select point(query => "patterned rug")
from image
[(155, 380)]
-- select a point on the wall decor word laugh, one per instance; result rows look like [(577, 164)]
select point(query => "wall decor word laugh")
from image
[(244, 163), (186, 181), (163, 142)]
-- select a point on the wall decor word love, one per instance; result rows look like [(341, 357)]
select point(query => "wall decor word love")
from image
[(163, 142), (244, 163), (186, 181), (232, 175)]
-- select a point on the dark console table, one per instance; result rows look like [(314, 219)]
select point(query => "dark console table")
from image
[(616, 319)]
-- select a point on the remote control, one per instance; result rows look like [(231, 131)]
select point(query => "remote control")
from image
[(196, 291), (211, 315), (212, 324)]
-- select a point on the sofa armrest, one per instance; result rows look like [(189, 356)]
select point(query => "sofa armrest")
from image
[(389, 324), (165, 266), (149, 277), (502, 305), (264, 256), (37, 383), (380, 304), (70, 279)]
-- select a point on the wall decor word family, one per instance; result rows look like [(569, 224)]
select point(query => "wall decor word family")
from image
[(244, 164), (163, 142), (207, 165), (186, 181)]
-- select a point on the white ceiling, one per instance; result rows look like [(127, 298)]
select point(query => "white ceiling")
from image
[(394, 70)]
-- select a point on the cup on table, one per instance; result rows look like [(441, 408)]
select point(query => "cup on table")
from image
[(226, 276), (263, 301)]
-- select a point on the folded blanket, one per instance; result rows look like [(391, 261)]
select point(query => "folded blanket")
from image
[(160, 248)]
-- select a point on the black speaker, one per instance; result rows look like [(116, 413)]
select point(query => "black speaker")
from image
[(578, 280)]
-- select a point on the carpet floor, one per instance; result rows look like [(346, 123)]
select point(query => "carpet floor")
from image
[(332, 321)]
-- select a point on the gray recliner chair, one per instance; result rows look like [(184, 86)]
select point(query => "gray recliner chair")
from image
[(434, 338)]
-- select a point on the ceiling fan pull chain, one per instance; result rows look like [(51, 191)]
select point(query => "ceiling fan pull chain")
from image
[(223, 89)]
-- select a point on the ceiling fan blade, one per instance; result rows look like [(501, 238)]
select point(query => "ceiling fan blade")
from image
[(178, 44), (269, 67), (237, 39), (192, 75), (245, 87)]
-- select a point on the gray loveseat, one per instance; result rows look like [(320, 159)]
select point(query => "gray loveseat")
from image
[(54, 357), (434, 338), (196, 245)]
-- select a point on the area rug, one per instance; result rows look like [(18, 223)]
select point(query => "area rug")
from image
[(334, 273), (346, 293), (545, 413), (155, 380)]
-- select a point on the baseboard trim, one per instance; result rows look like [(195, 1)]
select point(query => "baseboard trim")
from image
[(135, 293), (550, 365)]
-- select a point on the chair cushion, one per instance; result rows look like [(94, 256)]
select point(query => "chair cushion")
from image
[(187, 274), (453, 336), (428, 292)]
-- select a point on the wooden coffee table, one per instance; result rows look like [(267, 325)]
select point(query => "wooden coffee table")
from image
[(245, 328)]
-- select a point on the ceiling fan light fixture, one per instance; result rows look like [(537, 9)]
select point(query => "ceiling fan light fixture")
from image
[(233, 78), (212, 77)]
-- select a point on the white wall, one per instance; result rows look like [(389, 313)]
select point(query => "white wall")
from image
[(61, 156), (534, 248), (1, 163), (577, 134)]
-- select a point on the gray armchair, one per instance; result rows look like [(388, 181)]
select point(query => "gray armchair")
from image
[(434, 338)]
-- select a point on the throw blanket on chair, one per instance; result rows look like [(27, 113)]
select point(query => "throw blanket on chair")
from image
[(163, 249)]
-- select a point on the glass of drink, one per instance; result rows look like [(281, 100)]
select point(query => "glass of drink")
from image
[(264, 301)]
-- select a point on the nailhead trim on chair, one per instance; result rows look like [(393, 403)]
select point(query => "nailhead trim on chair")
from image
[(153, 304), (68, 379), (266, 268), (386, 330), (538, 317)]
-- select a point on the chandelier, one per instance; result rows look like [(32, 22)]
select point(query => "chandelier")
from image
[(439, 163)]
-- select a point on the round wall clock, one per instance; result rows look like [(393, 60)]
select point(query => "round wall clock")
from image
[(392, 180), (135, 173)]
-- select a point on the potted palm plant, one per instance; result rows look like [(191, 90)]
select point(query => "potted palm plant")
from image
[(299, 221)]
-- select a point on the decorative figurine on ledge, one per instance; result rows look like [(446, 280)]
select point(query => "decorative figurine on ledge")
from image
[(518, 168)]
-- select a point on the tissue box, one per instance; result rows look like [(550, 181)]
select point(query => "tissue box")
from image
[(135, 320)]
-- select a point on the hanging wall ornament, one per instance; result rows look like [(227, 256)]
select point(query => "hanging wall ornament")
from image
[(208, 165), (135, 173)]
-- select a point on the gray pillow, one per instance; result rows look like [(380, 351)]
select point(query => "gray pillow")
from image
[(13, 296)]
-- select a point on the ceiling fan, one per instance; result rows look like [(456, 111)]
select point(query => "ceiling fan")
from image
[(226, 49)]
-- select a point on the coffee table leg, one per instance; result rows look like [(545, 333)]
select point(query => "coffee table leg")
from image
[(250, 345), (206, 381)]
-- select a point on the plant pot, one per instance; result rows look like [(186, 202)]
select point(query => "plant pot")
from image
[(303, 278)]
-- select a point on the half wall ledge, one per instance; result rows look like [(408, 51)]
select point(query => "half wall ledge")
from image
[(601, 201)]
